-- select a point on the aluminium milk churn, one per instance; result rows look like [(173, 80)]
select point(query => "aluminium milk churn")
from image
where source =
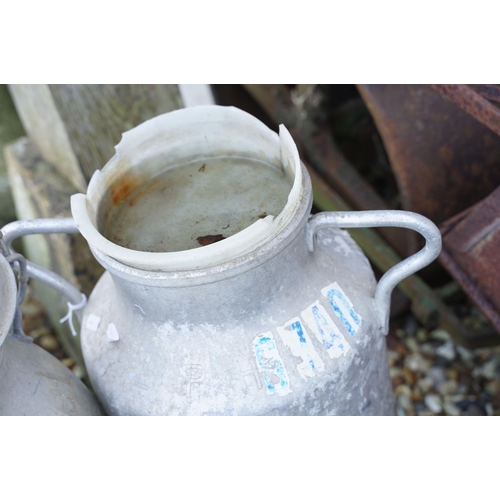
[(32, 381), (222, 295)]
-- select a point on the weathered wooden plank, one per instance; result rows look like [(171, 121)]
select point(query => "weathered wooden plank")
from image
[(10, 129), (40, 191), (41, 120), (76, 127), (95, 116)]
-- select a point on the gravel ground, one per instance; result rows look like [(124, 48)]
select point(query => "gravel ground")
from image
[(431, 374)]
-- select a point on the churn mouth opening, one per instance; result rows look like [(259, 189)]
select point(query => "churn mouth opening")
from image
[(191, 189)]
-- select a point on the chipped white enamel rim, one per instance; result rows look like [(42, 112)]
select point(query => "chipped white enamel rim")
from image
[(179, 137)]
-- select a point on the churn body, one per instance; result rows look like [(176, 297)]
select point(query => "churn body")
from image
[(32, 381), (267, 326)]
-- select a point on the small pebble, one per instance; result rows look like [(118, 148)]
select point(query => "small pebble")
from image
[(31, 308), (447, 387), (464, 353), (437, 374), (420, 407), (433, 402), (417, 363), (409, 376), (403, 389), (451, 373), (393, 358), (455, 398), (425, 413), (78, 371), (416, 396), (48, 342), (489, 370), (412, 344), (425, 384), (400, 411), (427, 349), (447, 351), (36, 333), (440, 334), (400, 333), (451, 409), (492, 387), (472, 409), (481, 355), (405, 402), (422, 335)]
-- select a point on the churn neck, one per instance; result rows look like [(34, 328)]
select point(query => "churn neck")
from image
[(291, 239), (181, 138)]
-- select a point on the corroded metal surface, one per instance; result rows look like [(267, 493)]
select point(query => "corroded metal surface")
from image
[(470, 253), (490, 92), (475, 100), (444, 160)]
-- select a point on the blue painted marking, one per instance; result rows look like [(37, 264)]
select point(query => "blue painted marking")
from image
[(321, 323), (295, 336), (297, 327), (324, 329), (268, 360), (336, 295)]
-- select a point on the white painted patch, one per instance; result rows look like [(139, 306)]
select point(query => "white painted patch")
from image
[(93, 322), (112, 333), (343, 308), (325, 330), (270, 364), (294, 336)]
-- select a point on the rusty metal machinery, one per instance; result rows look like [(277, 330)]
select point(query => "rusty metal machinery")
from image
[(444, 160), (470, 253), (471, 238), (479, 101)]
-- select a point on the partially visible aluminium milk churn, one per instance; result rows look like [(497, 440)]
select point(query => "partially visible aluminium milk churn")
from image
[(223, 295), (32, 381)]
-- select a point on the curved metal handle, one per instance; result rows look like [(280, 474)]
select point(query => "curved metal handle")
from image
[(19, 228), (384, 218)]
